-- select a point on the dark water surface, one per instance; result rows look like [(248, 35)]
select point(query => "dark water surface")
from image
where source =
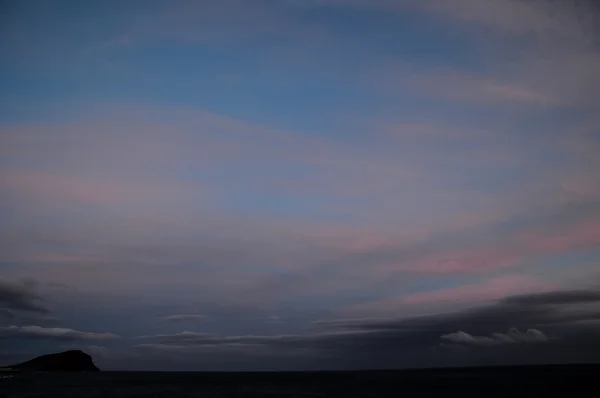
[(553, 381)]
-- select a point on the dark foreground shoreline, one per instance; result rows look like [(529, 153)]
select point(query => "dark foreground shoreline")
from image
[(507, 381)]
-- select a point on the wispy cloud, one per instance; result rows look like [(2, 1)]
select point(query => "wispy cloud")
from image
[(155, 213), (59, 334), (297, 158), (545, 19), (495, 288), (396, 78), (183, 317)]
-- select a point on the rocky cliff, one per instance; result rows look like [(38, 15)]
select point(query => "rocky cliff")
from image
[(68, 361)]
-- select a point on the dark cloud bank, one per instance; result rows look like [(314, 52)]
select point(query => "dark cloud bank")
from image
[(554, 327), (19, 297)]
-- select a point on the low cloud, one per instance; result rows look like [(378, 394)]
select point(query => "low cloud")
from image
[(187, 339), (556, 298), (183, 317), (58, 334), (512, 336), (19, 296), (316, 345), (541, 328), (6, 313)]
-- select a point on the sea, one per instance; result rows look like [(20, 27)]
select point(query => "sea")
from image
[(557, 381)]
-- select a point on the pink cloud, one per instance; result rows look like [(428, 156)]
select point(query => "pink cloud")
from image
[(489, 290), (479, 259), (65, 188), (122, 154), (344, 247), (583, 235), (114, 158), (452, 84), (505, 251), (461, 296)]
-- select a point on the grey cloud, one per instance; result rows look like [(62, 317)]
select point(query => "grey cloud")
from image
[(522, 311), (511, 337), (59, 334), (420, 341), (19, 296), (192, 338), (183, 317), (203, 339), (6, 313), (557, 297)]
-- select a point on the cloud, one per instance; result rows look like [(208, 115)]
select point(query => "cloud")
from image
[(545, 19), (414, 341), (553, 63), (6, 313), (293, 346), (183, 317), (66, 188), (489, 289), (511, 337), (345, 231), (19, 296), (455, 85), (118, 196), (495, 245), (548, 310), (556, 297), (487, 187), (188, 338), (493, 288), (59, 334)]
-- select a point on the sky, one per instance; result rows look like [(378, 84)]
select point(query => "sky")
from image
[(292, 185)]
